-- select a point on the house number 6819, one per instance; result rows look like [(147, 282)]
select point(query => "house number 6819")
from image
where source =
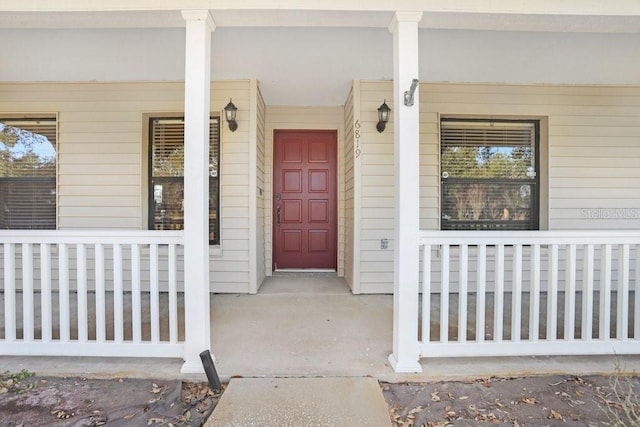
[(356, 135)]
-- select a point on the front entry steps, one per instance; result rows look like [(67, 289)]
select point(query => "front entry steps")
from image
[(301, 402)]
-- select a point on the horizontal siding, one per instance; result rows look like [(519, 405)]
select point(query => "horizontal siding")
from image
[(593, 159), (261, 267), (349, 190), (102, 156), (377, 192)]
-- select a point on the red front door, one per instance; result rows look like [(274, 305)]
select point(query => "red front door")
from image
[(304, 199)]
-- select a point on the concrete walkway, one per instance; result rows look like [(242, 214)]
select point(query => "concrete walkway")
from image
[(301, 402)]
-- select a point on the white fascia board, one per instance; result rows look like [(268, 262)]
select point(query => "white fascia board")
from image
[(612, 16), (544, 7)]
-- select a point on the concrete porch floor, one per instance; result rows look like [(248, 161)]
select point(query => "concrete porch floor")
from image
[(307, 325)]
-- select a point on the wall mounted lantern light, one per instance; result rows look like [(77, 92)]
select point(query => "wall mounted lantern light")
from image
[(383, 116), (230, 114)]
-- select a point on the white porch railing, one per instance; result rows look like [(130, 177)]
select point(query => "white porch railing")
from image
[(91, 293), (529, 293)]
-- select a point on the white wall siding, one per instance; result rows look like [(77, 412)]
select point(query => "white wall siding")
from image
[(590, 152), (377, 190), (259, 185), (102, 157), (321, 118), (230, 270), (350, 272)]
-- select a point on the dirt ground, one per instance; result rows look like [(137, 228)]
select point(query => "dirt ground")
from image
[(530, 401), (28, 400)]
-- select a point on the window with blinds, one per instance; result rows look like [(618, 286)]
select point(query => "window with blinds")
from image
[(166, 183), (28, 173), (489, 174)]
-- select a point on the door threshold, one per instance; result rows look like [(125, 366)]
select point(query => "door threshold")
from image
[(304, 270)]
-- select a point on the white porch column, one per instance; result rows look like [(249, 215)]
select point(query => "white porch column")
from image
[(407, 209), (197, 83)]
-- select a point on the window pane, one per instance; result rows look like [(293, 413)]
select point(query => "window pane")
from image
[(28, 173), (487, 205), (486, 162), (214, 229), (168, 204), (487, 150), (488, 175), (166, 191), (168, 148), (27, 148)]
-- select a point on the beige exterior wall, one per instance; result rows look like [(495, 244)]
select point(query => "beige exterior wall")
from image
[(590, 152), (377, 189), (302, 118), (102, 157)]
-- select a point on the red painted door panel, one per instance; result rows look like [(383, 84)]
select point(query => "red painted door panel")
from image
[(305, 203)]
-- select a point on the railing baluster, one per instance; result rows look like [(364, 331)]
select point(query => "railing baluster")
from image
[(516, 293), (136, 303), (481, 292), (45, 291), (154, 297), (27, 292), (587, 295), (605, 293), (462, 295), (444, 295), (9, 292), (636, 291), (552, 294), (81, 260), (534, 299), (622, 324), (173, 295), (570, 293), (498, 309), (118, 298), (100, 294), (426, 294), (63, 289)]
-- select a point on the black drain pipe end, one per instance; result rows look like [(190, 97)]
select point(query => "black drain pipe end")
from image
[(210, 370)]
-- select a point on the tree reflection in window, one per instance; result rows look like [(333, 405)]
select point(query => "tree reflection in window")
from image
[(28, 173), (489, 175)]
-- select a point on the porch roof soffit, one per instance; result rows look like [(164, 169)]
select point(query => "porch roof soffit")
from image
[(616, 16)]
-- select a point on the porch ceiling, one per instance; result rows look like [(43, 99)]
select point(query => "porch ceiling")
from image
[(308, 53), (617, 16)]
